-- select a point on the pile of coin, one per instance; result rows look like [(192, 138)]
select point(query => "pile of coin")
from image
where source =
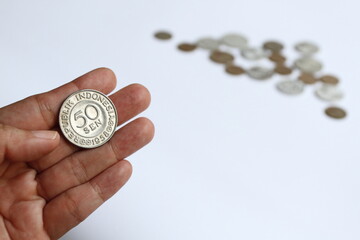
[(302, 72)]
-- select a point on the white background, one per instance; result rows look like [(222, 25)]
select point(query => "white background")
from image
[(232, 157)]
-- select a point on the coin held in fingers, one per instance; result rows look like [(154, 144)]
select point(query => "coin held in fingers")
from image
[(88, 118)]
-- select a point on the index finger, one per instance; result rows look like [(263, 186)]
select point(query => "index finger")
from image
[(41, 111)]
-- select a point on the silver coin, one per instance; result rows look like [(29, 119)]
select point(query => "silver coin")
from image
[(208, 43), (260, 73), (308, 65), (88, 118), (329, 93), (290, 87), (253, 53), (234, 40), (306, 48)]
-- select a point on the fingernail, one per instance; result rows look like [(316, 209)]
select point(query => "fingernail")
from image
[(50, 135)]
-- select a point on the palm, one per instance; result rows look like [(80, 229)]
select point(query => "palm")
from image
[(21, 207), (46, 197)]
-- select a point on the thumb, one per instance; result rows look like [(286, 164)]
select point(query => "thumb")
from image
[(25, 146)]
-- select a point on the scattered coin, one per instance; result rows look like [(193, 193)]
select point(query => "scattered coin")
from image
[(290, 87), (273, 46), (307, 78), (221, 52), (88, 118), (187, 47), (260, 73), (306, 48), (221, 57), (308, 65), (234, 70), (277, 57), (335, 112), (283, 70), (329, 79), (253, 53), (208, 43), (234, 40), (163, 35), (329, 92)]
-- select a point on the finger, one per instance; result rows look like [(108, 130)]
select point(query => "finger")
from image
[(129, 102), (73, 206), (22, 145), (82, 166), (41, 111)]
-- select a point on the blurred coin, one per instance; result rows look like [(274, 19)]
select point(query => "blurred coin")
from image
[(234, 40), (306, 48), (221, 57), (88, 118), (260, 73), (308, 65), (329, 93), (273, 46), (329, 79), (335, 112), (208, 43), (290, 87), (277, 57), (253, 53), (234, 70), (163, 35), (186, 47), (283, 70), (307, 78)]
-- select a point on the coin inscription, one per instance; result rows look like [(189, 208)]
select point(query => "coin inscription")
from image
[(88, 118)]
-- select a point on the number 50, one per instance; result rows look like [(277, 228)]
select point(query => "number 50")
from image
[(78, 116)]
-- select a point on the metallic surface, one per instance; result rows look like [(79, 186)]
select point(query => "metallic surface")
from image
[(277, 57), (335, 112), (208, 43), (163, 35), (88, 118), (329, 79), (307, 78), (234, 70), (308, 65), (306, 48), (221, 57), (329, 92), (187, 47), (253, 53), (290, 87), (234, 40), (282, 69), (273, 46), (260, 73)]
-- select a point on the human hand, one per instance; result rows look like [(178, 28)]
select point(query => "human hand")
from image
[(48, 185)]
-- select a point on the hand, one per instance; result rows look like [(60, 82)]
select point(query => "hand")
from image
[(48, 185)]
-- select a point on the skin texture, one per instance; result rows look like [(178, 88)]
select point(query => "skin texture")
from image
[(48, 185)]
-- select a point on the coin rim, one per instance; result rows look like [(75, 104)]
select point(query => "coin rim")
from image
[(111, 102)]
